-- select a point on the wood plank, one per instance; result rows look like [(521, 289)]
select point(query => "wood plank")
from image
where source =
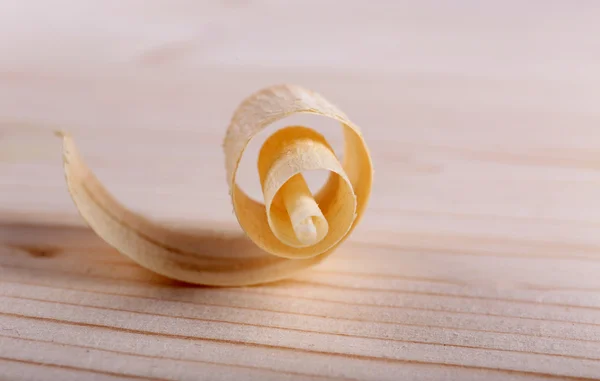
[(478, 255)]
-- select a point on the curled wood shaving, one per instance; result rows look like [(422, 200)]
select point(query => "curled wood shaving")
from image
[(291, 231)]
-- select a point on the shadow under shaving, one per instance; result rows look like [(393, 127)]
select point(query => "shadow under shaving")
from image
[(44, 263), (80, 252)]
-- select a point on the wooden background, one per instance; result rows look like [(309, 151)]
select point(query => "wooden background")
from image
[(479, 255)]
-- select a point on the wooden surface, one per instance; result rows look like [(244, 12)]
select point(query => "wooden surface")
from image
[(479, 255)]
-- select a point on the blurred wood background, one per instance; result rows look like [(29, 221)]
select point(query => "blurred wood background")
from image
[(479, 256)]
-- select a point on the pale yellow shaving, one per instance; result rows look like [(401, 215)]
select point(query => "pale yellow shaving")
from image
[(292, 230)]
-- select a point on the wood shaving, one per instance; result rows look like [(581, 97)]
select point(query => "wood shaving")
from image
[(292, 229)]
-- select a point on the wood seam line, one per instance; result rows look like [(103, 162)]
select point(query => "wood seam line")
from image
[(302, 350), (313, 332), (396, 291), (284, 296), (274, 311), (78, 369), (171, 358)]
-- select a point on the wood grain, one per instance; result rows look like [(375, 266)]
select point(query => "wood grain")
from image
[(479, 254)]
